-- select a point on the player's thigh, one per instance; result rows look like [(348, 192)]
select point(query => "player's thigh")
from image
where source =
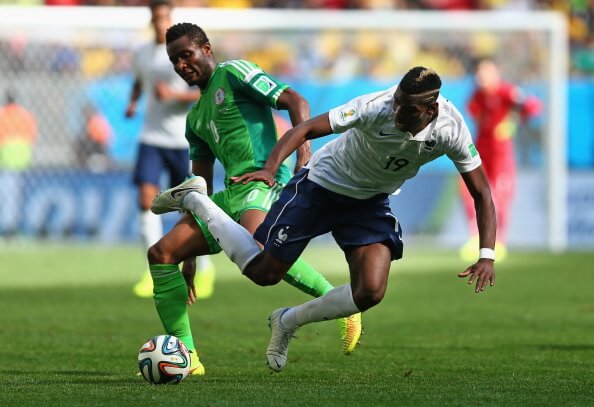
[(362, 222), (185, 239), (369, 267), (251, 219), (301, 213)]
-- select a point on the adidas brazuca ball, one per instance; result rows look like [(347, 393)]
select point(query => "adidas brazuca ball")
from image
[(164, 359)]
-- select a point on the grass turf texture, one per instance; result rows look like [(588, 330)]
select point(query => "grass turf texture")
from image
[(70, 332)]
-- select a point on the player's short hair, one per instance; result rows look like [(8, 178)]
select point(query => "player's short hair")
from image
[(192, 31), (153, 4), (420, 80)]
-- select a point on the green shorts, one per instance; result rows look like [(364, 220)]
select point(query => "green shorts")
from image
[(237, 199)]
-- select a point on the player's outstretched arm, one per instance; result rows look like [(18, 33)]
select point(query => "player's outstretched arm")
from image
[(313, 128), (483, 271)]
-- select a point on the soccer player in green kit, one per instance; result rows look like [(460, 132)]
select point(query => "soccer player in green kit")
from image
[(232, 122)]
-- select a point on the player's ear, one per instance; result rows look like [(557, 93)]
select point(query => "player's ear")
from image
[(206, 48)]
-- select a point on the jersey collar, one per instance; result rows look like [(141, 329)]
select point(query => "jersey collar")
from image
[(424, 134)]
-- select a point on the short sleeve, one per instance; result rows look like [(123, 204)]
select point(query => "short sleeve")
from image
[(249, 79), (347, 116), (462, 150)]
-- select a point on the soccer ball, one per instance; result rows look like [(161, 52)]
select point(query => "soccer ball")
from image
[(164, 359)]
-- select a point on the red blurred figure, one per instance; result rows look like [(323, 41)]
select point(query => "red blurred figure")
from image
[(495, 106)]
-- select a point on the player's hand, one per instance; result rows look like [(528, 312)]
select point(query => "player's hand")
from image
[(261, 175), (162, 91), (189, 271), (131, 110), (482, 272)]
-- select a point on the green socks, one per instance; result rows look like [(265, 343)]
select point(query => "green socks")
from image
[(171, 295), (304, 277)]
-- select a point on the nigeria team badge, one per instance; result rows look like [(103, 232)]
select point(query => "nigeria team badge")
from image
[(219, 96)]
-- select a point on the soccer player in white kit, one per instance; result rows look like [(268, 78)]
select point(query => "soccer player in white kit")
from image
[(386, 137), (163, 147)]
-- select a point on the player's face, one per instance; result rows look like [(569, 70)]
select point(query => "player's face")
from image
[(194, 63), (161, 21), (412, 113), (487, 75)]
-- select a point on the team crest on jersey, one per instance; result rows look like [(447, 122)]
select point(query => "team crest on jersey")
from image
[(219, 96), (264, 85), (347, 113)]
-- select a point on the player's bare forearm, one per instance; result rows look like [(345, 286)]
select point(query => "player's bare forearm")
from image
[(478, 186), (295, 104), (483, 271), (486, 221), (291, 141), (205, 169), (295, 138), (303, 155)]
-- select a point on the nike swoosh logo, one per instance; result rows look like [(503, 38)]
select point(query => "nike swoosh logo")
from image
[(175, 194), (387, 134)]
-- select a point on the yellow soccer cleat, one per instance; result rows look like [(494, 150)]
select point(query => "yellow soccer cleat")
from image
[(204, 282), (350, 332), (144, 287), (196, 367)]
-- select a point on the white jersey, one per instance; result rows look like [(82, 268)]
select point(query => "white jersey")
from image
[(165, 122), (373, 156)]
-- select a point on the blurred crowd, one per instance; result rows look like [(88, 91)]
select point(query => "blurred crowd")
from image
[(376, 54), (95, 70)]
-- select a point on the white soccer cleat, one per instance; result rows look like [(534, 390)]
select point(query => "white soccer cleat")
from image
[(278, 348), (171, 199)]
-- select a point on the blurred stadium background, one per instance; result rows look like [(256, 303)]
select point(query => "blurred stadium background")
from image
[(71, 67)]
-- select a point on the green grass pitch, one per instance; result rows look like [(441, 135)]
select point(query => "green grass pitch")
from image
[(70, 331)]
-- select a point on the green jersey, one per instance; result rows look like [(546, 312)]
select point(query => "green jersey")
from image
[(232, 121)]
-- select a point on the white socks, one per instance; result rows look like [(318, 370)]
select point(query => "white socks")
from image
[(336, 303), (151, 229), (237, 243)]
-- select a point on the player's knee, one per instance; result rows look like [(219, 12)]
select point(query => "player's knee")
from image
[(156, 255), (262, 277), (366, 298), (262, 273)]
